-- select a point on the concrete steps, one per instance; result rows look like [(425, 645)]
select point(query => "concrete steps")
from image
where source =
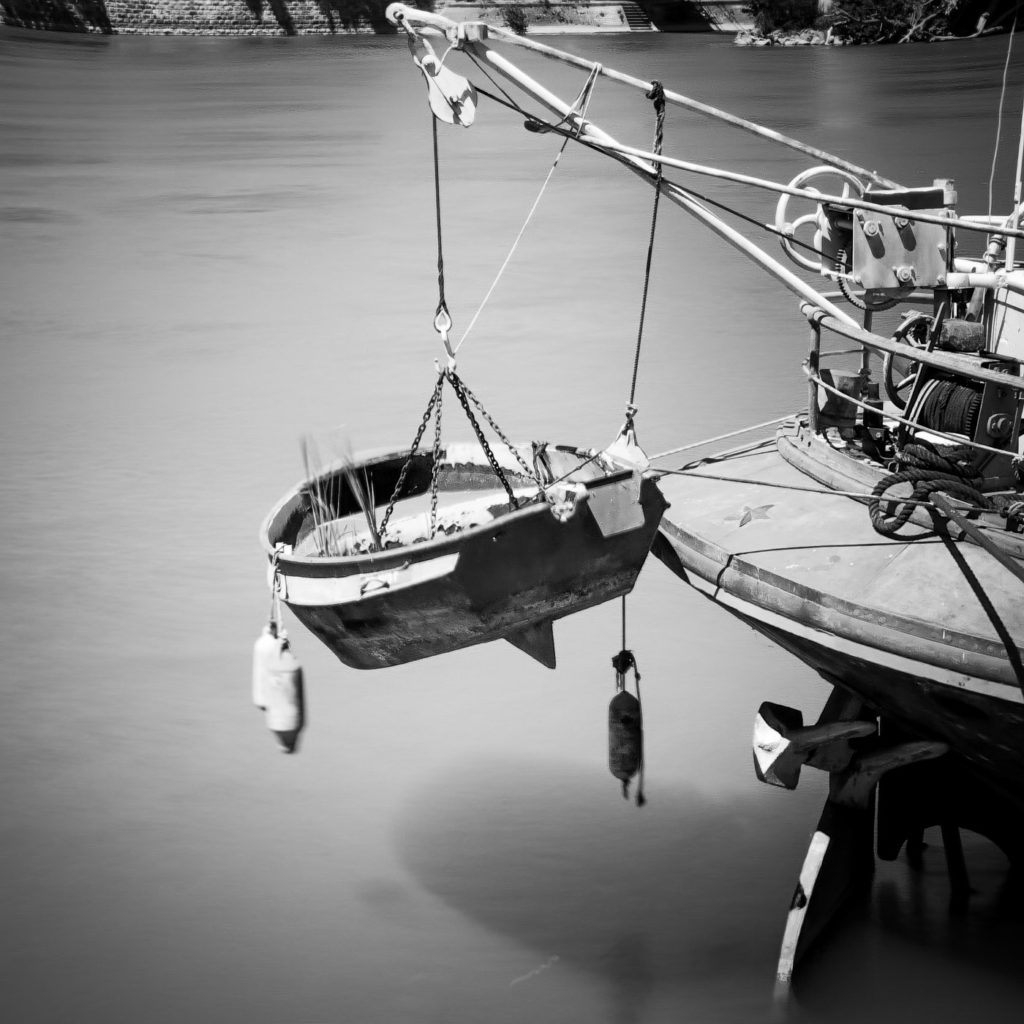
[(636, 19)]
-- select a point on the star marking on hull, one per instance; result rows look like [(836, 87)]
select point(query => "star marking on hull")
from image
[(748, 515)]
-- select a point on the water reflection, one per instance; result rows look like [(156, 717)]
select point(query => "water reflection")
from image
[(686, 893), (688, 897), (949, 965)]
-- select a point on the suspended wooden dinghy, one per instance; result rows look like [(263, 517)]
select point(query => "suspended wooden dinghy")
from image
[(491, 571)]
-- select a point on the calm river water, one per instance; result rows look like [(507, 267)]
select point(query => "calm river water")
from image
[(211, 246)]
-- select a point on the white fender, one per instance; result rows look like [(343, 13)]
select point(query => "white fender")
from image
[(283, 694), (264, 653)]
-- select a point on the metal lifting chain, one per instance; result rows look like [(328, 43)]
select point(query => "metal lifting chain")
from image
[(435, 400), (657, 94), (443, 326), (434, 408), (531, 473), (436, 465), (460, 390)]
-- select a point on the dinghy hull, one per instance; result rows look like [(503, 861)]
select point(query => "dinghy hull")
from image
[(508, 577)]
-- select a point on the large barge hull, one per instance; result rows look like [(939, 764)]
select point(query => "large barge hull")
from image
[(926, 630)]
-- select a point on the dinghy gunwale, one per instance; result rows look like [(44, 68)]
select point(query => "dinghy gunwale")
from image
[(275, 524)]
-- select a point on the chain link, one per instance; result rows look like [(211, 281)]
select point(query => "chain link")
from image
[(531, 473), (435, 468), (434, 408), (434, 399), (460, 390)]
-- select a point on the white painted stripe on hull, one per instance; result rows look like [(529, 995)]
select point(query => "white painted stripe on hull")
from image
[(795, 919), (323, 591), (909, 666)]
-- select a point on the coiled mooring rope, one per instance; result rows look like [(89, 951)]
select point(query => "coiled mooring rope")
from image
[(929, 468)]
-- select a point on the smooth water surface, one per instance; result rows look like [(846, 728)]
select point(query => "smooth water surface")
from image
[(213, 246)]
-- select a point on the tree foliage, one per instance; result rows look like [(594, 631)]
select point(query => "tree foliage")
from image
[(514, 18), (893, 21), (782, 15)]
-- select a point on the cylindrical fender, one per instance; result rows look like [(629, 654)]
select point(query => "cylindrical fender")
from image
[(625, 736), (284, 696), (264, 654)]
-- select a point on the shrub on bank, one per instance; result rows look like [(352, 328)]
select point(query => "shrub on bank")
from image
[(782, 15), (794, 22), (893, 21), (514, 18)]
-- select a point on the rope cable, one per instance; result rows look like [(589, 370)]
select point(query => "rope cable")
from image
[(442, 305), (582, 101), (999, 120), (509, 101), (657, 96), (862, 496), (721, 437), (686, 190)]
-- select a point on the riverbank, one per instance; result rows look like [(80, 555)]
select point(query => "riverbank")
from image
[(806, 37), (305, 17)]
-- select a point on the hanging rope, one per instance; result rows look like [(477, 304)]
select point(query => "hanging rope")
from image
[(626, 722), (578, 110), (442, 318), (999, 121), (657, 95)]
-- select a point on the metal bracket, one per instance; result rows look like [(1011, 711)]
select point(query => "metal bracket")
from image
[(783, 744), (855, 786)]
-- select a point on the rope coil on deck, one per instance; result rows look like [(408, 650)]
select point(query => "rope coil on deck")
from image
[(929, 468)]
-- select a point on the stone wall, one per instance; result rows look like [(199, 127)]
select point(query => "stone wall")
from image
[(542, 15), (216, 17), (283, 17), (189, 17)]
